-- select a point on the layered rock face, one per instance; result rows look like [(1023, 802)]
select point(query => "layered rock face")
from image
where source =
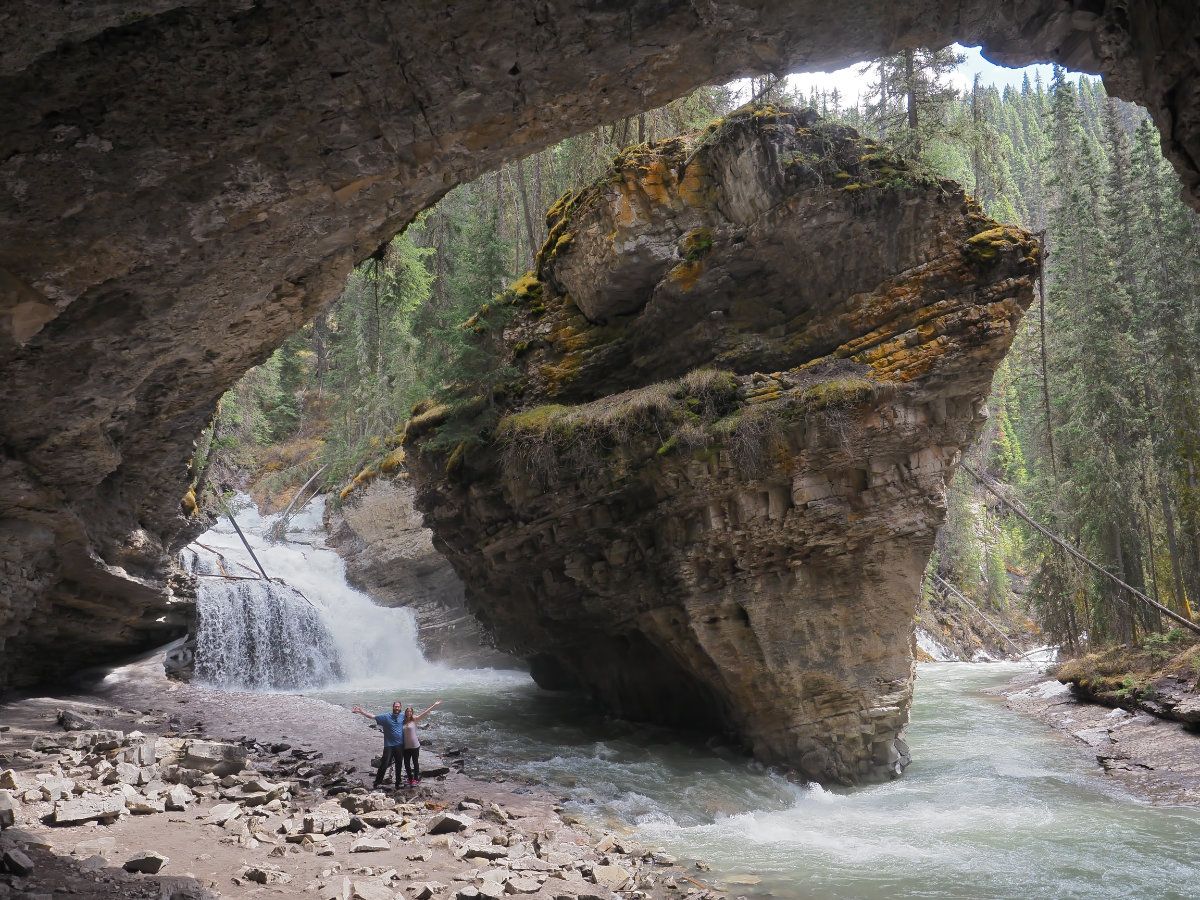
[(389, 554), (748, 363), (184, 183)]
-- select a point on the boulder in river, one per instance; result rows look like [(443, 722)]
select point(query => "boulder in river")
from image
[(746, 365)]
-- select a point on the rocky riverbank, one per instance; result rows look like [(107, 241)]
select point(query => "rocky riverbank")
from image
[(1155, 759), (145, 788)]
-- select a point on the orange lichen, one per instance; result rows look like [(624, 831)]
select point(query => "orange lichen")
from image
[(656, 181), (686, 274), (696, 188)]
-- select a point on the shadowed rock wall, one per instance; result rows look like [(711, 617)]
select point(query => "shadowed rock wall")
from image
[(183, 184), (748, 362)]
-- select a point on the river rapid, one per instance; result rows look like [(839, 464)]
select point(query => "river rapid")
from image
[(993, 805)]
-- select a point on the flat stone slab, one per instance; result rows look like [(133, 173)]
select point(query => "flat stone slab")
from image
[(266, 875), (611, 877), (369, 844), (522, 884), (373, 889), (224, 812), (85, 809)]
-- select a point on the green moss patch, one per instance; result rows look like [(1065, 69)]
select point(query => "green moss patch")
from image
[(989, 245)]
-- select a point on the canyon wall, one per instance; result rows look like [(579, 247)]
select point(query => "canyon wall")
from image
[(743, 374), (184, 183), (389, 555)]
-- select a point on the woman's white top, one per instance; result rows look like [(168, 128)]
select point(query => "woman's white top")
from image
[(411, 741)]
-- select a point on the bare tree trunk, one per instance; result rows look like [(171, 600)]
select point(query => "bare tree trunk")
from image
[(539, 197), (910, 89), (499, 205), (1157, 594), (438, 233), (1172, 545), (321, 347), (641, 128), (977, 141), (1120, 605), (1191, 528), (524, 195), (373, 332), (1042, 350)]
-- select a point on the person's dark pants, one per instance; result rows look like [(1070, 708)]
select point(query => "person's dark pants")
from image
[(391, 757), (412, 763)]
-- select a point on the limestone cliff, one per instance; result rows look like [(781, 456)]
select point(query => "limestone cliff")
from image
[(184, 183), (389, 554), (748, 362)]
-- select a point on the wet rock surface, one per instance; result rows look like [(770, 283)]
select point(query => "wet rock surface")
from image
[(185, 183), (748, 362)]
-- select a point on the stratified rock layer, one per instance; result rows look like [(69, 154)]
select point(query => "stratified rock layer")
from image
[(184, 183), (749, 363)]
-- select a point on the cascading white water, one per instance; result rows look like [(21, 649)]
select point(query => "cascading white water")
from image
[(260, 635), (305, 628), (936, 650)]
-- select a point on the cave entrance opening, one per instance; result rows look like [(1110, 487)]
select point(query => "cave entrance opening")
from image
[(185, 188)]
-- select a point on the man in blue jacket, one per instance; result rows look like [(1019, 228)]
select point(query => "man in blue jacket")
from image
[(393, 739)]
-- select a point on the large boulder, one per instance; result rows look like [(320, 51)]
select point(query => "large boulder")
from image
[(148, 862), (748, 362)]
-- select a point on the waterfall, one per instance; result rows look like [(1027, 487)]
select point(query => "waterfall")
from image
[(307, 627)]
